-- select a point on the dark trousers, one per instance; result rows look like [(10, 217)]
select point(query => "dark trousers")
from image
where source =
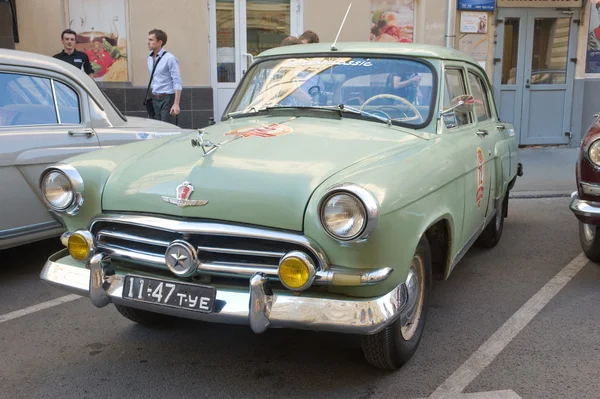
[(162, 108)]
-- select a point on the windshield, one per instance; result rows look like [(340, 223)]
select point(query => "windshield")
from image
[(396, 89)]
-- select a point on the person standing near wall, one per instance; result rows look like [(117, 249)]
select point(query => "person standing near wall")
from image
[(165, 80), (71, 56), (309, 37)]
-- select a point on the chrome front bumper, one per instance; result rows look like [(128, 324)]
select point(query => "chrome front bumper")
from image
[(252, 307), (584, 209)]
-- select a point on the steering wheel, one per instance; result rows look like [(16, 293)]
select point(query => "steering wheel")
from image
[(403, 100)]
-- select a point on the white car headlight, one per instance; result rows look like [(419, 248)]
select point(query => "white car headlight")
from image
[(57, 190), (594, 153), (62, 188), (348, 212)]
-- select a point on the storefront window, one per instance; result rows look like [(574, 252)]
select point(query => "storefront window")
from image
[(225, 41), (550, 49), (268, 23), (510, 51)]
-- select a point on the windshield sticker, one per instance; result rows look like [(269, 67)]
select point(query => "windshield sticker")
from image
[(272, 130), (294, 62), (480, 176)]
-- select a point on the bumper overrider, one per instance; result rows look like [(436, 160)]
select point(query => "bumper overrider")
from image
[(585, 211), (258, 306)]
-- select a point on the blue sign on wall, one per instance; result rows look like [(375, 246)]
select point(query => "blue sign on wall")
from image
[(477, 5)]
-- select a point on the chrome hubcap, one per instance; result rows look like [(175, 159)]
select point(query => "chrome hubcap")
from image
[(415, 284), (589, 231)]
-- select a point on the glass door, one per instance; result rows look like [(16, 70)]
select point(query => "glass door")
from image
[(240, 30), (533, 81)]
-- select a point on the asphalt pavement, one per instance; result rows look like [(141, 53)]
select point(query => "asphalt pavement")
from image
[(503, 325)]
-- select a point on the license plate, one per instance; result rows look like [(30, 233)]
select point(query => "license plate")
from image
[(167, 293)]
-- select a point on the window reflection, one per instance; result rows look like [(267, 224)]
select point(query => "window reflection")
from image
[(510, 51), (225, 41), (268, 24), (550, 49)]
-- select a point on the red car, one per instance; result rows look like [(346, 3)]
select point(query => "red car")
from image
[(585, 202)]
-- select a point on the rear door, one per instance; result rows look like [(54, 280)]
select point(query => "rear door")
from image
[(473, 139), (43, 119)]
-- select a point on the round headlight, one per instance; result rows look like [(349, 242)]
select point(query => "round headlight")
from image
[(594, 153), (343, 216), (57, 190), (81, 245), (296, 271)]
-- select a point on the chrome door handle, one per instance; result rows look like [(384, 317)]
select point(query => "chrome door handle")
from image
[(481, 132), (501, 127), (86, 132)]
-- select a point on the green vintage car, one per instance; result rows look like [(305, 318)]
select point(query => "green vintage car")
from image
[(338, 183)]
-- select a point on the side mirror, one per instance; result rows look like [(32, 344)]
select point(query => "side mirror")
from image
[(462, 103)]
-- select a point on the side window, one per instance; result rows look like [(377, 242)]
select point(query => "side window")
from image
[(482, 106), (68, 103), (454, 87), (26, 100)]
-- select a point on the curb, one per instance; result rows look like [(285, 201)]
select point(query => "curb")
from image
[(539, 194)]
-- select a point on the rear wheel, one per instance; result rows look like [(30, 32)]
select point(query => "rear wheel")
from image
[(144, 317), (493, 231), (395, 345), (590, 241)]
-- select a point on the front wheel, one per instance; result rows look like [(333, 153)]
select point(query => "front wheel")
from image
[(590, 241), (395, 345)]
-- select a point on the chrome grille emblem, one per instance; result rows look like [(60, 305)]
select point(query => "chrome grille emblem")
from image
[(181, 258), (184, 190)]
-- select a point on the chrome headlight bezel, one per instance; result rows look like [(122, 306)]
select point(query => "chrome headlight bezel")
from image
[(588, 148), (76, 182), (365, 198)]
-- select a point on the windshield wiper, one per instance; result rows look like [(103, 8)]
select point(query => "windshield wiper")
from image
[(345, 108)]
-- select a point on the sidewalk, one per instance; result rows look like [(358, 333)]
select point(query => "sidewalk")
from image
[(547, 172)]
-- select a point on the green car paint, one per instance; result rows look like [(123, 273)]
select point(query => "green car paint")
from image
[(420, 178)]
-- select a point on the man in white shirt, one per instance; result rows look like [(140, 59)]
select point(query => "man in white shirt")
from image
[(166, 81)]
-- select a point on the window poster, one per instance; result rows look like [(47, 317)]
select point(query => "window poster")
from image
[(392, 21), (101, 27), (592, 63)]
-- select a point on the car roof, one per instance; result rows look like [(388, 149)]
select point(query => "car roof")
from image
[(35, 60), (401, 49)]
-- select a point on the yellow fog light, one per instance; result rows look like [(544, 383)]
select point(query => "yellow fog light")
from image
[(81, 245), (296, 271)]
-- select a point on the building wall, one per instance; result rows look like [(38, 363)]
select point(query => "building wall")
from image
[(40, 26)]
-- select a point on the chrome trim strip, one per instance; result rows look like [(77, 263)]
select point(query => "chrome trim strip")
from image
[(32, 228), (130, 237), (590, 189), (584, 208), (287, 310), (221, 229), (55, 101), (242, 252)]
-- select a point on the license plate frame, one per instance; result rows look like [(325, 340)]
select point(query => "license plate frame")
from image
[(168, 293)]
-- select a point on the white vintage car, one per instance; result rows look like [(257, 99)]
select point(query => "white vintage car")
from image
[(49, 111)]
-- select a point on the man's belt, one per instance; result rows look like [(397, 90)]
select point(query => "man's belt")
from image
[(160, 95)]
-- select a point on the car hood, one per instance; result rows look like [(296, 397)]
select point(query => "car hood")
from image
[(137, 122), (264, 177)]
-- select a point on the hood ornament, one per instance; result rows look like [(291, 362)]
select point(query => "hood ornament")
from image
[(199, 141), (184, 190)]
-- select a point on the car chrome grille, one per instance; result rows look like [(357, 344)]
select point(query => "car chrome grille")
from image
[(222, 249)]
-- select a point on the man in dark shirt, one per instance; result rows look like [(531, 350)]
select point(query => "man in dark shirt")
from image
[(72, 56)]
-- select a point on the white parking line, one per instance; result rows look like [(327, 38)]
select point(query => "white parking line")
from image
[(486, 353), (36, 308)]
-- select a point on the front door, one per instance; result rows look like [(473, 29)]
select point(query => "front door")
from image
[(241, 29), (534, 73)]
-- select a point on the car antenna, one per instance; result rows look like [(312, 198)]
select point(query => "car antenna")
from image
[(339, 31)]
